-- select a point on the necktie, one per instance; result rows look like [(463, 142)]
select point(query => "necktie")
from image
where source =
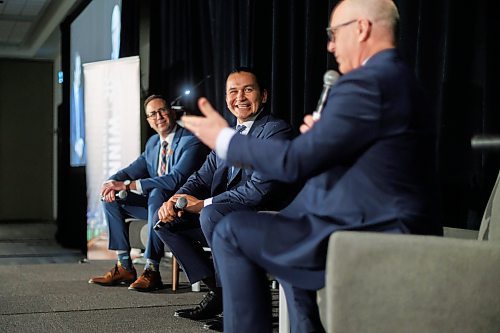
[(163, 158), (239, 129)]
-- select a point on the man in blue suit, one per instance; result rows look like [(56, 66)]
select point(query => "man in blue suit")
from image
[(368, 163), (170, 157), (217, 189)]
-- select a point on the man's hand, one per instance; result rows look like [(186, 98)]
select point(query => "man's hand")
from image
[(167, 212), (194, 205), (109, 188), (308, 124), (206, 128)]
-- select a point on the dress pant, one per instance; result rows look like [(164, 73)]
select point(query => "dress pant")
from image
[(238, 241), (140, 207), (187, 236), (237, 244)]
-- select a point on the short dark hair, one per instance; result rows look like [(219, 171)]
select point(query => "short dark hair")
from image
[(258, 78), (151, 97)]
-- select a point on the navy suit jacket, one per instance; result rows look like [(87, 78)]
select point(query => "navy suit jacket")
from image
[(185, 155), (368, 162), (245, 186)]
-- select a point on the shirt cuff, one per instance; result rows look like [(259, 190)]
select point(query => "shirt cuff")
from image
[(138, 186), (207, 202), (222, 142)]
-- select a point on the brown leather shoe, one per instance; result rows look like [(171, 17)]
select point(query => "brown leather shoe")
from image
[(117, 275), (148, 281)]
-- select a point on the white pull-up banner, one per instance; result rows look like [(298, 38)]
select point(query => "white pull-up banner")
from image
[(112, 127)]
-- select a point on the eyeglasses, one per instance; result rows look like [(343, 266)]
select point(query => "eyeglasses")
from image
[(162, 111), (330, 31)]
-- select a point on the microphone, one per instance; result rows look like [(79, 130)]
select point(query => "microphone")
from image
[(180, 204), (329, 80), (119, 196)]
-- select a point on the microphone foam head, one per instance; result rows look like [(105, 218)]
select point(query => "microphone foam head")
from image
[(330, 77), (122, 194), (181, 203)]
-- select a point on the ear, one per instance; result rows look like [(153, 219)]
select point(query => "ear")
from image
[(264, 96), (364, 29)]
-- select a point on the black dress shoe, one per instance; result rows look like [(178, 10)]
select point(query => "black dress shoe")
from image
[(215, 325), (209, 307)]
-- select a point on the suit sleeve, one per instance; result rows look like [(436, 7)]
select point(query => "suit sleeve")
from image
[(135, 170), (257, 187), (349, 123), (193, 153)]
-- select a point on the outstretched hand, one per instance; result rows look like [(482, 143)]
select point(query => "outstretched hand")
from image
[(206, 128)]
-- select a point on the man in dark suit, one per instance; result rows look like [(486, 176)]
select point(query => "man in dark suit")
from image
[(216, 190), (170, 157), (368, 162)]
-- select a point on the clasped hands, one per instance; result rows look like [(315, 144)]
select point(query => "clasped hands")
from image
[(168, 213), (109, 189)]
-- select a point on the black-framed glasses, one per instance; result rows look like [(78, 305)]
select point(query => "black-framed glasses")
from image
[(162, 111), (330, 31)]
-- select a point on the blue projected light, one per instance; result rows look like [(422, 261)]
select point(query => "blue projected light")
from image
[(187, 92)]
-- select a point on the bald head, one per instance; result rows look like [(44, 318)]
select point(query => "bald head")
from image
[(382, 12), (361, 28)]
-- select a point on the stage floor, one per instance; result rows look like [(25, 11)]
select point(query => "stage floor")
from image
[(44, 288)]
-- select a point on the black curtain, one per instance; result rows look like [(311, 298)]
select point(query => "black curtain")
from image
[(129, 35), (450, 44)]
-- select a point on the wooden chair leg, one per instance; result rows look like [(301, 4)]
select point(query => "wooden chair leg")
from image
[(175, 274)]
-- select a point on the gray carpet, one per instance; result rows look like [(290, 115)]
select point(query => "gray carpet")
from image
[(57, 298), (44, 288)]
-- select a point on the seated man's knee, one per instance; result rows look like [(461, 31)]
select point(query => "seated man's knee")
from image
[(209, 217), (157, 197), (108, 206), (225, 225)]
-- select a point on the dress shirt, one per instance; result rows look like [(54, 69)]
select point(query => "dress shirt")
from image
[(169, 139)]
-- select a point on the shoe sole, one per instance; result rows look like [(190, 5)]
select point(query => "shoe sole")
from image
[(145, 290), (180, 315), (112, 283)]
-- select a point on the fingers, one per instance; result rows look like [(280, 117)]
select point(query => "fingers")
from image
[(309, 120), (169, 207), (308, 124), (109, 196), (162, 212), (205, 107)]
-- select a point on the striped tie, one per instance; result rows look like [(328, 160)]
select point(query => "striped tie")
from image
[(163, 158), (239, 129)]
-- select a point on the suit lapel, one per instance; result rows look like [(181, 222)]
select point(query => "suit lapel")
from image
[(220, 183), (171, 149), (156, 157), (255, 130)]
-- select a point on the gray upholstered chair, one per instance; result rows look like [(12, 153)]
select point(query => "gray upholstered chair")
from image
[(407, 283), (138, 234)]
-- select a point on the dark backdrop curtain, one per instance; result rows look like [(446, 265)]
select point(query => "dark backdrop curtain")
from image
[(450, 44), (129, 36)]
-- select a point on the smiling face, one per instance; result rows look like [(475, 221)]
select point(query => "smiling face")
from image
[(244, 97), (162, 119)]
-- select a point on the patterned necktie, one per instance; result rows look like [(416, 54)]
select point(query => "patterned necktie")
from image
[(163, 158), (239, 129)]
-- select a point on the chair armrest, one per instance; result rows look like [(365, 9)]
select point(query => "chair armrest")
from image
[(406, 283)]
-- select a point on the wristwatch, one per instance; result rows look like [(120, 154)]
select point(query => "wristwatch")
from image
[(127, 184)]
